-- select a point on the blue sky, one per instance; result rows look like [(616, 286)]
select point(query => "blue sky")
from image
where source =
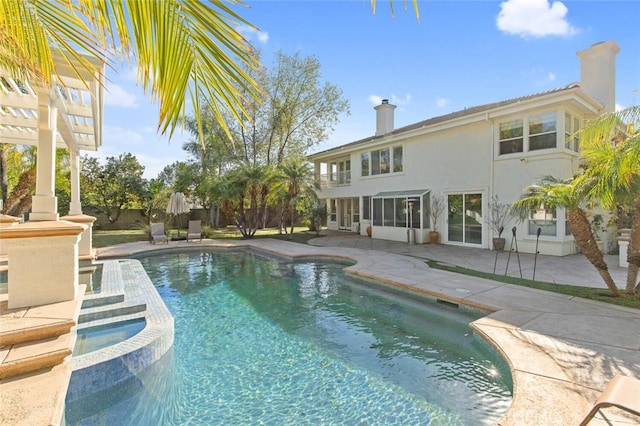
[(461, 54)]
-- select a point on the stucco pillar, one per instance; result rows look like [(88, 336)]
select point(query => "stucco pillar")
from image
[(45, 203), (7, 221), (43, 262), (85, 247)]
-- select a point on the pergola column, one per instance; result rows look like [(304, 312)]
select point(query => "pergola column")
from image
[(45, 203), (75, 208)]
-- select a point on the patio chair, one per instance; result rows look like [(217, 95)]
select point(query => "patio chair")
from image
[(621, 392), (195, 230), (157, 234)]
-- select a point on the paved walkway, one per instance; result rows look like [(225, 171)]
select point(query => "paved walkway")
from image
[(562, 350), (572, 270)]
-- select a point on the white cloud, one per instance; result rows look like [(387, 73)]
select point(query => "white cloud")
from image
[(534, 18), (551, 76), (442, 102), (253, 33), (394, 100), (120, 138), (116, 95)]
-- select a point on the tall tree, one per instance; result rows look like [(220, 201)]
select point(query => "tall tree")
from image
[(114, 186), (297, 111), (184, 50), (295, 179), (571, 195), (611, 151)]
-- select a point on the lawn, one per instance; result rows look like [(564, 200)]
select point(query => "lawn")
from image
[(108, 238)]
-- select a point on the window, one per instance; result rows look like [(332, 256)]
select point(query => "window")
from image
[(375, 162), (511, 137), (385, 161), (356, 209), (388, 212), (364, 163), (382, 161), (377, 211), (366, 208), (531, 134), (545, 219), (333, 207), (542, 131), (401, 212), (397, 159), (572, 126)]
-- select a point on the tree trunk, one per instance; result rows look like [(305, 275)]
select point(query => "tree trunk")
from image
[(17, 202), (583, 235), (633, 251), (4, 180)]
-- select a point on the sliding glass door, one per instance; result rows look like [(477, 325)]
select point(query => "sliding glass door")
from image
[(465, 222)]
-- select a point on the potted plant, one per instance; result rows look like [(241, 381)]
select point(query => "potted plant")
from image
[(499, 215), (435, 210)]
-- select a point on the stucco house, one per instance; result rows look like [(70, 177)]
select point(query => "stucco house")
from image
[(389, 180)]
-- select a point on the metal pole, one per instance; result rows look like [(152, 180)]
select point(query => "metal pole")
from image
[(535, 258), (495, 263), (513, 237), (517, 252)]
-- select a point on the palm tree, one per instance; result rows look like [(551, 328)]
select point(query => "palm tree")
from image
[(611, 150), (296, 177), (571, 195), (183, 50)]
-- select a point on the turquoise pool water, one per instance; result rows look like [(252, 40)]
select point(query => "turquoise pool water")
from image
[(94, 338), (260, 341)]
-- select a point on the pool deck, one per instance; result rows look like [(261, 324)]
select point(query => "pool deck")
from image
[(562, 350)]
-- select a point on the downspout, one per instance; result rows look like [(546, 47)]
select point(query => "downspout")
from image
[(491, 169)]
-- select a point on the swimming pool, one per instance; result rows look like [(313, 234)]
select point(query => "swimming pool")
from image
[(262, 341)]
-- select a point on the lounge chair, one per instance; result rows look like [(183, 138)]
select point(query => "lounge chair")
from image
[(195, 230), (158, 234), (621, 392)]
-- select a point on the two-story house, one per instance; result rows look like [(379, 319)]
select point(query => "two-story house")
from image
[(387, 181)]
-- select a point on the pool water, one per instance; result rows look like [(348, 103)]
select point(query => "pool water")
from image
[(259, 341), (91, 339)]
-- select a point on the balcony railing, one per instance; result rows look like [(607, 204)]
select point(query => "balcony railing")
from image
[(335, 179)]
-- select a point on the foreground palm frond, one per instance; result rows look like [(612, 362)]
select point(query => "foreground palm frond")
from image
[(184, 50)]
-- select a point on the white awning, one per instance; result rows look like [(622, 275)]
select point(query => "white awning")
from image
[(402, 194)]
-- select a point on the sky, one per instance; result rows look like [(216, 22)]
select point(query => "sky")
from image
[(458, 55)]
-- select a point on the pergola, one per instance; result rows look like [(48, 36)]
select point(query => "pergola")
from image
[(67, 115), (43, 252)]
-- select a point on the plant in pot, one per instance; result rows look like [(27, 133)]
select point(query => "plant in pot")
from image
[(499, 215), (435, 210)]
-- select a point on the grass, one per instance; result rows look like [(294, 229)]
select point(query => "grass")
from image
[(302, 235), (599, 294), (103, 238)]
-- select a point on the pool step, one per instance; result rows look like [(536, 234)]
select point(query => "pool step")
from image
[(36, 338), (110, 311)]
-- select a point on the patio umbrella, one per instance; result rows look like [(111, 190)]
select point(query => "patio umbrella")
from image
[(177, 206)]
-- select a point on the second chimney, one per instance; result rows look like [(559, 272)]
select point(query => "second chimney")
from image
[(384, 117)]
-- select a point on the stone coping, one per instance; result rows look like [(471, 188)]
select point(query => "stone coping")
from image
[(52, 228), (562, 350)]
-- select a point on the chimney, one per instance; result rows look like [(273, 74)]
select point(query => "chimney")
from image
[(598, 72), (384, 117)]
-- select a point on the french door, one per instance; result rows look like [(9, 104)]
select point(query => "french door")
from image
[(465, 222)]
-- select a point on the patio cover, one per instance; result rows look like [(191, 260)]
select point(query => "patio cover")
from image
[(79, 108), (398, 194)]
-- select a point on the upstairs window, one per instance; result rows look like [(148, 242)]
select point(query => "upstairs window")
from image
[(531, 133), (572, 126), (382, 161), (542, 131), (364, 163), (511, 137)]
